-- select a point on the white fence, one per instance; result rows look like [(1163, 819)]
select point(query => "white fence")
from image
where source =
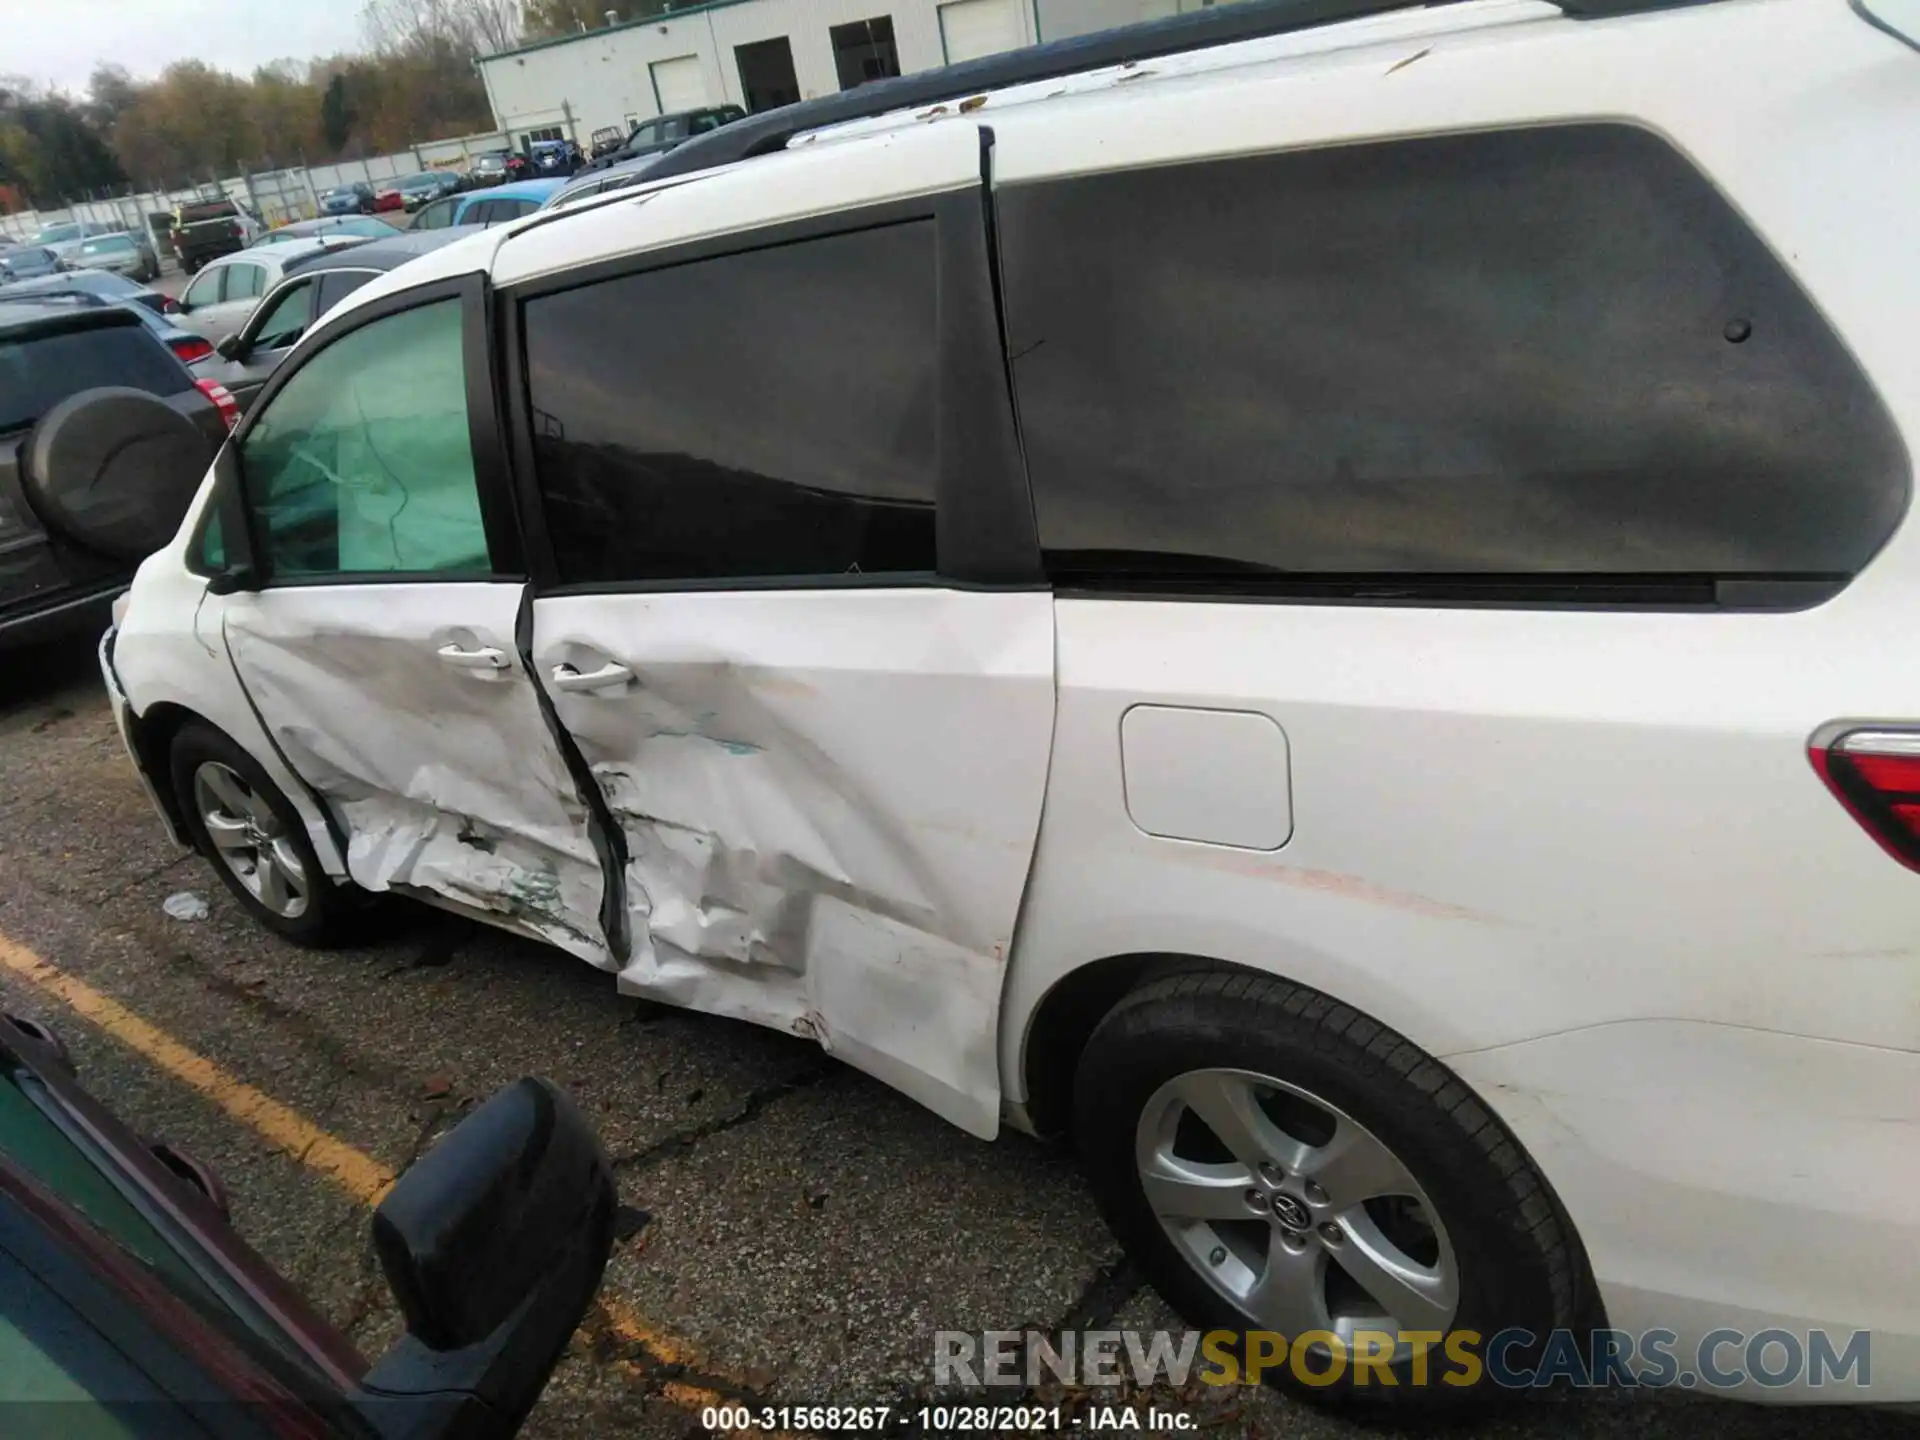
[(276, 196)]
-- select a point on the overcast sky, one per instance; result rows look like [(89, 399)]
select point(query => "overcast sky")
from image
[(58, 42)]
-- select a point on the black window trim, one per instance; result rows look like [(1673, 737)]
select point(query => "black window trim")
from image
[(983, 512), (490, 471)]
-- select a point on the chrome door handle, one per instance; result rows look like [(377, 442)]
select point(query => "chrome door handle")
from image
[(485, 658), (565, 677)]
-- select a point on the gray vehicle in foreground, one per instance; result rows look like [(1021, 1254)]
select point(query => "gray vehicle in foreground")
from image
[(81, 473), (122, 252)]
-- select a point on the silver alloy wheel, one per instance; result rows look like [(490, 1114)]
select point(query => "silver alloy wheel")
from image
[(250, 838), (1293, 1210)]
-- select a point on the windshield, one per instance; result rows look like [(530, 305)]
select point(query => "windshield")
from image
[(420, 182), (216, 210), (57, 235), (107, 245), (26, 260)]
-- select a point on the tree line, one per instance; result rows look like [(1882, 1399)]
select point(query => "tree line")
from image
[(415, 80)]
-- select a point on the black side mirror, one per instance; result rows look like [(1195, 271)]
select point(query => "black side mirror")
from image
[(493, 1245), (233, 580), (232, 348)]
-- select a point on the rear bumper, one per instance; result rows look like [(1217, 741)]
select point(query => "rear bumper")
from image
[(1730, 1179)]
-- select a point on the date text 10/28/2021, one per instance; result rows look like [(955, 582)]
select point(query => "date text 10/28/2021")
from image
[(945, 1419)]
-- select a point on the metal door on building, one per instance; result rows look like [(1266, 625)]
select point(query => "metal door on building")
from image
[(972, 28), (679, 84)]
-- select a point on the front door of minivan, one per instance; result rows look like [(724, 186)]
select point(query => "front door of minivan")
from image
[(762, 473), (379, 646)]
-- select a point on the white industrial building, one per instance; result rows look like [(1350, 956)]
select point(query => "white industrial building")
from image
[(763, 53)]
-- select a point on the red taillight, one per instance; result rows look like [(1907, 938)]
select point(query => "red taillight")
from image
[(222, 399), (190, 348), (1875, 772)]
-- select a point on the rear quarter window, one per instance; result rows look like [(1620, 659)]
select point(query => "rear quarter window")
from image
[(39, 372), (1552, 353)]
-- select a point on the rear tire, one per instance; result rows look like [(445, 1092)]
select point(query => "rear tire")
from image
[(1234, 1096), (255, 840)]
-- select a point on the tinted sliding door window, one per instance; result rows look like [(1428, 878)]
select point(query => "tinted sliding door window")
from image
[(1553, 352), (761, 415)]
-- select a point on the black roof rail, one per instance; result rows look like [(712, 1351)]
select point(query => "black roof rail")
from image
[(1219, 25)]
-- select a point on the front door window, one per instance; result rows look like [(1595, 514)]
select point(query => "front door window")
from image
[(363, 463)]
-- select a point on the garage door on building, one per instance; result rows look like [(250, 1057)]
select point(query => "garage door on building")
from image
[(972, 28), (679, 84)]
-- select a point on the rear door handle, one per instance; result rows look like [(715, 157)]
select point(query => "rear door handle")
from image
[(565, 677), (485, 658)]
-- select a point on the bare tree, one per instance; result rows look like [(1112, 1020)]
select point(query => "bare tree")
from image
[(467, 27)]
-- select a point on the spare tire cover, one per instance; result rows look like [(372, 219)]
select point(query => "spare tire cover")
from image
[(114, 470)]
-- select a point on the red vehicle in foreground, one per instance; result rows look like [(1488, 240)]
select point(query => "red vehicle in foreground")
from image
[(127, 1297)]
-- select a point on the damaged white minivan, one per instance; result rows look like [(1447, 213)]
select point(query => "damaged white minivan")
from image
[(1331, 615)]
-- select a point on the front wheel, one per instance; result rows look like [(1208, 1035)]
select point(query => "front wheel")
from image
[(1277, 1162), (239, 819)]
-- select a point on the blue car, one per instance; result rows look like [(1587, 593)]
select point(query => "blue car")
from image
[(493, 206)]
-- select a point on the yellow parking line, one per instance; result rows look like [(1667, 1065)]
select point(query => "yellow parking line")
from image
[(356, 1172)]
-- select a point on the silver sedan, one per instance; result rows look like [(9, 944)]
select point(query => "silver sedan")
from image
[(122, 252)]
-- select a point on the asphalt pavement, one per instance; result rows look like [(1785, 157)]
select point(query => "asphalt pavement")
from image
[(794, 1232)]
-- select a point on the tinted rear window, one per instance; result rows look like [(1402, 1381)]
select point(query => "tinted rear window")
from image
[(37, 374), (1555, 352), (219, 210)]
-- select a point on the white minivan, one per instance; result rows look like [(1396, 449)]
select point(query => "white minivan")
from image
[(1323, 614)]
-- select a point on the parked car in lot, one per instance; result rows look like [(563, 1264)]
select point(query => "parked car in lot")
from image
[(206, 229), (227, 291), (1326, 614), (88, 489), (358, 227), (354, 199), (77, 287), (494, 206), (130, 1305), (29, 262), (665, 132), (310, 287), (63, 239), (416, 190), (553, 159), (103, 283), (123, 253), (598, 182), (495, 167)]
